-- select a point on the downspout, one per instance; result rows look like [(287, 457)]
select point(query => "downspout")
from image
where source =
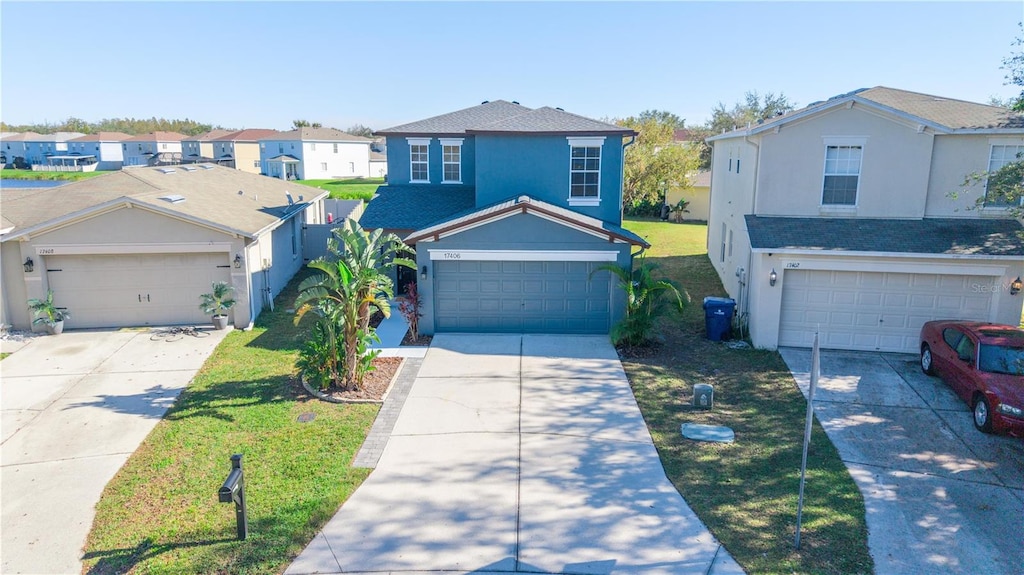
[(622, 182), (745, 310)]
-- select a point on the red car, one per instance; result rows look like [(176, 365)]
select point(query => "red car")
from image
[(984, 364)]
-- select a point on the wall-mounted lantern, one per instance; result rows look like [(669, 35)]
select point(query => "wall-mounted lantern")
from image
[(31, 265), (238, 261), (1015, 286), (423, 273), (773, 277)]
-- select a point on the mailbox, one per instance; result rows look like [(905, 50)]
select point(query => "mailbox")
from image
[(233, 491)]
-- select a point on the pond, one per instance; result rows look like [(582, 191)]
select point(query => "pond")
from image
[(9, 183)]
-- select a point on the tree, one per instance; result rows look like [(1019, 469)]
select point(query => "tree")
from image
[(352, 284), (1014, 65), (296, 124), (753, 109), (647, 300), (360, 130), (655, 162)]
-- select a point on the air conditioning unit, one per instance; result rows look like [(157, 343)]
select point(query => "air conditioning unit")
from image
[(703, 395)]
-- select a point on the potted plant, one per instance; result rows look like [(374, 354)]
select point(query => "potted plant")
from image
[(48, 314), (217, 302)]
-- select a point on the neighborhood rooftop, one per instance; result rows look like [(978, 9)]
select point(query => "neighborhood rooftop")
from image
[(317, 134), (503, 116)]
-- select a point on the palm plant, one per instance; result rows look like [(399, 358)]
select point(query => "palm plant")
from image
[(352, 283), (647, 300), (219, 300), (46, 311)]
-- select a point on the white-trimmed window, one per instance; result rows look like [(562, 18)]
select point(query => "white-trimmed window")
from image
[(335, 148), (585, 171), (999, 157), (721, 256), (419, 160), (842, 173), (312, 146), (323, 166), (451, 159)]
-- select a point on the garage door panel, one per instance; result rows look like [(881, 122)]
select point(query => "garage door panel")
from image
[(855, 313), (535, 297), (125, 290)]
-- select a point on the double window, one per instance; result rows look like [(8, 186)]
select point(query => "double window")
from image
[(451, 159), (998, 181), (842, 175), (585, 171), (419, 160)]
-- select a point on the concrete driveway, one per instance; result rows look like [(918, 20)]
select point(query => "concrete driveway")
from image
[(941, 497), (517, 454), (75, 406)]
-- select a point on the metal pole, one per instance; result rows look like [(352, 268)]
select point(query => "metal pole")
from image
[(241, 513), (815, 368)]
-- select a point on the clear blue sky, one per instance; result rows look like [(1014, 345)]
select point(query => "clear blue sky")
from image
[(264, 64)]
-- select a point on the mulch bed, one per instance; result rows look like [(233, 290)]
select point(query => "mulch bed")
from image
[(375, 383), (423, 340)]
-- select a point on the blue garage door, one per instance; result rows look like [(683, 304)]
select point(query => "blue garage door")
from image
[(521, 297)]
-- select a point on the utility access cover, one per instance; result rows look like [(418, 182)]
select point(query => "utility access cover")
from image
[(701, 432)]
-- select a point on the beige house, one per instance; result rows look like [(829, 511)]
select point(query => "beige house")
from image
[(153, 148), (838, 218), (137, 247), (199, 148), (698, 194), (241, 149)]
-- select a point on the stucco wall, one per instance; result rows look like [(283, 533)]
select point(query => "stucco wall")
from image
[(399, 168), (955, 157), (732, 196), (519, 232), (699, 198), (894, 170), (247, 156)]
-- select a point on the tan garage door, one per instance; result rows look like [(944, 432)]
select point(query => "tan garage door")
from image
[(134, 290), (875, 311)]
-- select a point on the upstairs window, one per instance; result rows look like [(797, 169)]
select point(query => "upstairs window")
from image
[(335, 148), (585, 171), (451, 156), (419, 156), (842, 175), (999, 158), (312, 147)]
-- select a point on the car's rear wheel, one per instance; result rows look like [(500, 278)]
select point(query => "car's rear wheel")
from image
[(982, 414), (926, 360)]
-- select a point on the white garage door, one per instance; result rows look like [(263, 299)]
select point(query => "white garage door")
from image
[(875, 311), (134, 290)]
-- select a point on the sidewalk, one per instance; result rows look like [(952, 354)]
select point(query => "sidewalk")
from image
[(391, 332)]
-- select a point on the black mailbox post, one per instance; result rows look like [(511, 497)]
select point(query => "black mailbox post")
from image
[(233, 490)]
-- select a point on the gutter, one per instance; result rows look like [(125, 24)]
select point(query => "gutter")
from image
[(632, 139)]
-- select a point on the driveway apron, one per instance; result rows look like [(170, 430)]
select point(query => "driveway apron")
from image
[(75, 406), (517, 454), (941, 497)]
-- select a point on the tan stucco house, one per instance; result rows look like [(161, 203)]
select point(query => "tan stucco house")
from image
[(199, 148), (137, 247), (241, 149), (838, 218), (697, 193)]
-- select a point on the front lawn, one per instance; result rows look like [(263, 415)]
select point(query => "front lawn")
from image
[(160, 513), (354, 189), (11, 174), (746, 491)]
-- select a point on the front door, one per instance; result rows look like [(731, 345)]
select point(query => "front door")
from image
[(405, 277)]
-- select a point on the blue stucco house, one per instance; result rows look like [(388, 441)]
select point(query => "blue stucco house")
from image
[(511, 210)]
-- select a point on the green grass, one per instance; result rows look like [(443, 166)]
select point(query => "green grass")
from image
[(746, 491), (160, 513), (354, 189), (4, 355), (10, 174)]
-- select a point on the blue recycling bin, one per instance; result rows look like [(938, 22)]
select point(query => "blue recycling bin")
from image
[(718, 317)]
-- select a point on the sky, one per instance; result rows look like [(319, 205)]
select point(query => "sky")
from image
[(381, 64)]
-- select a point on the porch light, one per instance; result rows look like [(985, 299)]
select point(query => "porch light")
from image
[(423, 275), (1015, 286), (773, 277), (238, 261), (31, 265)]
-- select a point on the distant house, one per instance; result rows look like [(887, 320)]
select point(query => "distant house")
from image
[(153, 148), (105, 146), (698, 194), (39, 148), (199, 148), (512, 212), (14, 146), (241, 149), (837, 219), (315, 153), (378, 165), (137, 247)]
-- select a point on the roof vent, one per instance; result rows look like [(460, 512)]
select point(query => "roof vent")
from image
[(485, 102), (166, 170), (189, 168), (523, 200), (241, 192), (560, 109), (206, 166), (173, 199), (514, 102)]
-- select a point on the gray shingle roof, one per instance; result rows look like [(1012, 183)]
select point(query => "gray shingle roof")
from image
[(953, 236), (211, 196), (954, 114), (459, 121), (411, 207), (550, 120), (528, 203)]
